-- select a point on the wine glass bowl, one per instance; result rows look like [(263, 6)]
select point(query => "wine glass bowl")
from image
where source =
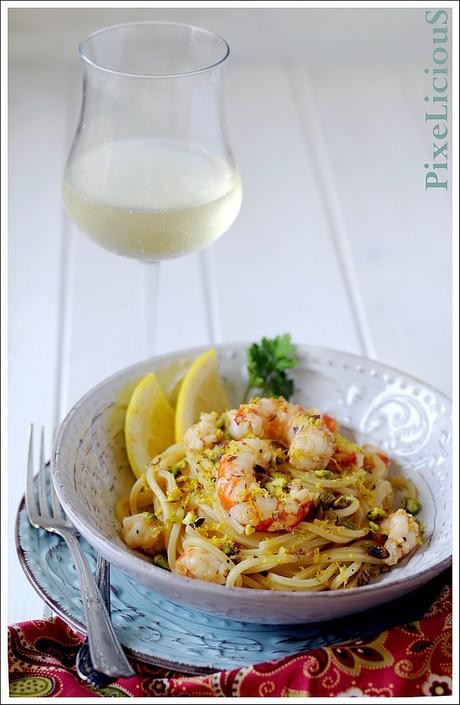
[(150, 174)]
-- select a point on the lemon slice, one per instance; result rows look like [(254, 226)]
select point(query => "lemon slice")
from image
[(149, 424), (201, 390)]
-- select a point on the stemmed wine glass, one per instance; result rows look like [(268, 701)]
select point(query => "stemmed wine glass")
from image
[(150, 174)]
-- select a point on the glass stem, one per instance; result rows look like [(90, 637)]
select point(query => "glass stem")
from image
[(150, 290)]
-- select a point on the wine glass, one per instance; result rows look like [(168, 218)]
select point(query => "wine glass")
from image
[(150, 174)]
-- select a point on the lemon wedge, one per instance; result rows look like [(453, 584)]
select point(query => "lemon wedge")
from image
[(201, 390), (149, 423)]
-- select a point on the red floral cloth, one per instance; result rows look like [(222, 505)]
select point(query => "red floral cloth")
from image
[(410, 660)]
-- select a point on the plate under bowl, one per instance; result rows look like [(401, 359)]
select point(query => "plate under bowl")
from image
[(405, 417)]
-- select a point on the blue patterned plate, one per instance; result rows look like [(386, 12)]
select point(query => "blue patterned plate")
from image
[(160, 632)]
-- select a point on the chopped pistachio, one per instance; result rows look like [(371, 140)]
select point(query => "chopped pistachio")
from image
[(248, 530), (373, 526), (229, 550), (161, 561), (412, 506), (280, 457), (189, 518), (326, 499), (378, 552), (275, 491), (176, 469), (214, 454), (376, 514), (280, 478), (324, 474), (150, 515), (277, 484)]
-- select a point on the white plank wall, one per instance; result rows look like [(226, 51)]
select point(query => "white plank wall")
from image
[(34, 284), (286, 265), (337, 241), (398, 234)]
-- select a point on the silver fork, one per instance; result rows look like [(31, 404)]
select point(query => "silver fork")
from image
[(83, 662), (106, 652)]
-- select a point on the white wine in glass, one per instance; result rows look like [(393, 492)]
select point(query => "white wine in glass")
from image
[(160, 199), (150, 174)]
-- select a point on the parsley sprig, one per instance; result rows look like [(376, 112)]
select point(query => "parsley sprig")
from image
[(267, 363)]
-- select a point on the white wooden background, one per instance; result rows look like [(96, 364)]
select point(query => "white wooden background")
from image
[(337, 241)]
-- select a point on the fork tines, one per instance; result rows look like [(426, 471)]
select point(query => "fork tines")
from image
[(41, 515)]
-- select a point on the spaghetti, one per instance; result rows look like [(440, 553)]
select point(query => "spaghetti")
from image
[(271, 496)]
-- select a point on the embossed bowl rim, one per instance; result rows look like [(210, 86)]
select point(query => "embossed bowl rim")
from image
[(132, 564)]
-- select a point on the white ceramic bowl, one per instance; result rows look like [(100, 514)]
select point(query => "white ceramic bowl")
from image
[(408, 419)]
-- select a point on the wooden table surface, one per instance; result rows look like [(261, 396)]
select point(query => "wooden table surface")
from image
[(337, 241)]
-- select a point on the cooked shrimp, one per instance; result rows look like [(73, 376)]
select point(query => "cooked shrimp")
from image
[(196, 562), (347, 455), (403, 535), (204, 434), (276, 504), (308, 438), (332, 424), (143, 531)]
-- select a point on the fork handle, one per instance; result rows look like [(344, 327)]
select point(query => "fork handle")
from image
[(83, 662), (106, 652)]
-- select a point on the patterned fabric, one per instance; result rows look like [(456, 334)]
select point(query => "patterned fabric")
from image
[(411, 660)]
